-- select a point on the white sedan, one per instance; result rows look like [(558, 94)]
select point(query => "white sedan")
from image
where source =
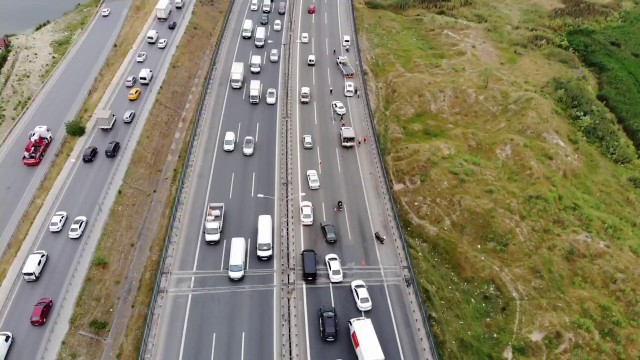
[(141, 57), (106, 12), (57, 221), (304, 38), (162, 43), (338, 107), (349, 88), (277, 25), (306, 213), (77, 227), (361, 295), (313, 179), (334, 268), (271, 96)]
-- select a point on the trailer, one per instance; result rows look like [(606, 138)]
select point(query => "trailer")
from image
[(237, 75), (213, 222), (105, 119), (364, 339), (347, 136), (345, 66), (163, 10)]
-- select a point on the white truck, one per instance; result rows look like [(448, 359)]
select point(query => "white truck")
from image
[(105, 119), (364, 339), (345, 66), (213, 222), (347, 136), (237, 75), (163, 9), (254, 91)]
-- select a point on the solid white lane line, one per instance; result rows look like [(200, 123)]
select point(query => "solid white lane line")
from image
[(242, 354), (238, 136), (257, 131), (319, 161), (215, 152), (313, 75), (315, 113), (346, 216), (253, 183), (331, 291), (328, 73), (324, 215), (264, 58), (213, 346), (231, 187), (338, 159), (325, 18), (224, 246), (326, 45), (244, 91), (250, 54)]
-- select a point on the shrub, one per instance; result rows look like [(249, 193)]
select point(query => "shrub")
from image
[(40, 26), (98, 324), (100, 260), (75, 128)]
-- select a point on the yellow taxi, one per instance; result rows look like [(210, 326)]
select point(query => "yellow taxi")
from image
[(134, 94)]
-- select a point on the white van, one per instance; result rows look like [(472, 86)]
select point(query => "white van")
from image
[(152, 36), (145, 76), (247, 29), (254, 5), (346, 41), (256, 61), (6, 339), (180, 3), (305, 95), (34, 264), (266, 6), (237, 258), (265, 237), (261, 33)]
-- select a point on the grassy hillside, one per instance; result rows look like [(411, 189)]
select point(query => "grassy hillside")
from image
[(522, 221)]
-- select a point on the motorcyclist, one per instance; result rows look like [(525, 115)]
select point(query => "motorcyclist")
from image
[(340, 204)]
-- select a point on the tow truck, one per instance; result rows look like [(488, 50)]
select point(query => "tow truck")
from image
[(345, 66), (39, 141)]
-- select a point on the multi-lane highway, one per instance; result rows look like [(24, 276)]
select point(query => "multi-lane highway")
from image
[(207, 316), (58, 102), (82, 193), (344, 175)]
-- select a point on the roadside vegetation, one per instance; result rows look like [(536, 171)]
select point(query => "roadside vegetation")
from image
[(147, 183), (517, 188)]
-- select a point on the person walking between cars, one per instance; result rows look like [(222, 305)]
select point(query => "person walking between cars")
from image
[(330, 91), (343, 122)]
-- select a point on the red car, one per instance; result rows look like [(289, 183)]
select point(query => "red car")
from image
[(311, 9), (41, 311)]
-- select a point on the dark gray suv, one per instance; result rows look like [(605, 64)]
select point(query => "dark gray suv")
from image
[(328, 323)]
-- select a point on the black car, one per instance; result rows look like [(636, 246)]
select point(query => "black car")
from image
[(329, 232), (89, 154), (264, 19), (112, 149), (328, 323), (172, 25)]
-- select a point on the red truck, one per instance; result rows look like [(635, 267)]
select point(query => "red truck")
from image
[(39, 140)]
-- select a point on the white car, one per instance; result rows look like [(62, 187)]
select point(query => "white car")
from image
[(106, 12), (248, 145), (273, 55), (77, 227), (130, 81), (334, 268), (57, 221), (361, 295), (349, 88), (307, 142), (338, 107), (313, 179), (311, 60), (304, 38), (277, 25), (306, 213), (162, 43), (254, 5), (229, 142), (271, 96), (141, 57)]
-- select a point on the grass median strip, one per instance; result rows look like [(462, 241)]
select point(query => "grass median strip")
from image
[(106, 281), (138, 13)]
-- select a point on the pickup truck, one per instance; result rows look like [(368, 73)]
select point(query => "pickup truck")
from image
[(213, 222), (345, 66)]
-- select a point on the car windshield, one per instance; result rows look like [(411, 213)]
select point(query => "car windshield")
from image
[(228, 142), (264, 246), (235, 268)]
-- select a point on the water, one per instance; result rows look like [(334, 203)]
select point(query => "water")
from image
[(18, 16)]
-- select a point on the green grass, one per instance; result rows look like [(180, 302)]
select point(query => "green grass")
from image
[(501, 187), (613, 52)]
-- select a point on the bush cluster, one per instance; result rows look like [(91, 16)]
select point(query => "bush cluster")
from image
[(592, 118)]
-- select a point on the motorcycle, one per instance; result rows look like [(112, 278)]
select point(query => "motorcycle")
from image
[(340, 205), (380, 237)]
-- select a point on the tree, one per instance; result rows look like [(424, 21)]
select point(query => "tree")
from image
[(75, 128)]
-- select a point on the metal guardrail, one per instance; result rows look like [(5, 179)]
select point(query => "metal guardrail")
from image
[(176, 203), (423, 312)]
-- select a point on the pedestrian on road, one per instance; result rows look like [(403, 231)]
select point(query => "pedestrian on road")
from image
[(334, 51), (358, 142), (330, 91), (364, 139), (344, 123), (320, 163)]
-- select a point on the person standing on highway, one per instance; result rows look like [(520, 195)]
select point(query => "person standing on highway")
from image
[(334, 51), (330, 90)]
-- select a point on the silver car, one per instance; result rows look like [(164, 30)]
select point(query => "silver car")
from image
[(273, 55), (128, 116), (130, 81), (307, 142), (248, 145)]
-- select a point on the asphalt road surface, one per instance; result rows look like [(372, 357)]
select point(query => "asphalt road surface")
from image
[(56, 104), (206, 315), (344, 176), (80, 195)]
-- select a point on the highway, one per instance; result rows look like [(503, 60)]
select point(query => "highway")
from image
[(345, 174), (83, 191), (206, 315), (58, 102)]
